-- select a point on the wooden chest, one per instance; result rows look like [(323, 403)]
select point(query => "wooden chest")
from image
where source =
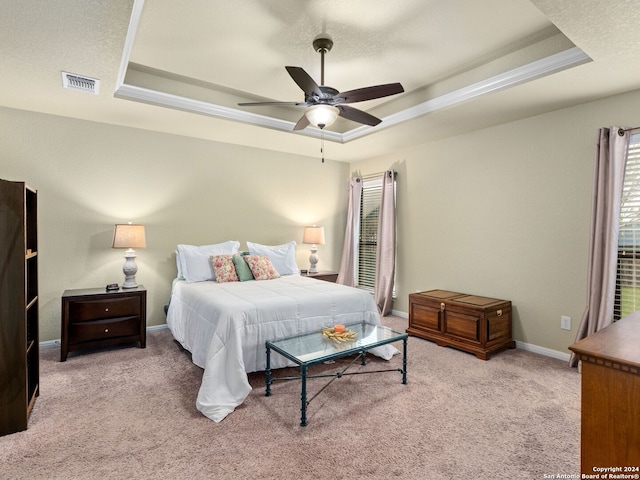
[(477, 325)]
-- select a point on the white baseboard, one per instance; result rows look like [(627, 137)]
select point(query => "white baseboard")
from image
[(400, 314), (49, 344), (547, 352), (56, 343), (153, 328)]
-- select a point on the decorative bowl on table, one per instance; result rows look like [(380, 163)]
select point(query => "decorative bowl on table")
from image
[(339, 333)]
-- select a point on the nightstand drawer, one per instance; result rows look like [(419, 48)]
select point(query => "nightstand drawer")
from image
[(109, 328), (95, 309)]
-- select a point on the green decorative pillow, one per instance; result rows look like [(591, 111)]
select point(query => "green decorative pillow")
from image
[(242, 269), (261, 267), (224, 269)]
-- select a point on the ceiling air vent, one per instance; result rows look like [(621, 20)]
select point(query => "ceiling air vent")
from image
[(81, 83)]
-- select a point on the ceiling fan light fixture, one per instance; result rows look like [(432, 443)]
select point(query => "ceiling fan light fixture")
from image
[(322, 116), (320, 100)]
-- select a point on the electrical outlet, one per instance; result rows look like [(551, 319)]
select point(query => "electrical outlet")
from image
[(565, 323)]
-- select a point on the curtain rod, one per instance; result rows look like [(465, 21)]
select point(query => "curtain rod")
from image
[(377, 175), (622, 131)]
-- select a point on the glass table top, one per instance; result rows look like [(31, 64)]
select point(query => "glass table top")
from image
[(314, 347)]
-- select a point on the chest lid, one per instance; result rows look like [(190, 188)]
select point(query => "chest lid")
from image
[(481, 302), (440, 294)]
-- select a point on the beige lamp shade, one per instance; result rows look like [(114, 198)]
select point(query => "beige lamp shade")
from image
[(129, 236), (313, 235)]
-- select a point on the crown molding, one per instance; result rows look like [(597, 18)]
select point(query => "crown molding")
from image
[(517, 76)]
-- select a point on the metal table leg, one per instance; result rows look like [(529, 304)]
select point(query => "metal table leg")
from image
[(268, 373), (404, 361), (303, 396)]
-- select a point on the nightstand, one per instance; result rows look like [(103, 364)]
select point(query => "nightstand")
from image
[(93, 317), (325, 275)]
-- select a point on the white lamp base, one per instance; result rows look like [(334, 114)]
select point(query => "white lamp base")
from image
[(130, 269), (313, 260)]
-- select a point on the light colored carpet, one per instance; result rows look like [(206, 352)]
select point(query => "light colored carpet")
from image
[(130, 413)]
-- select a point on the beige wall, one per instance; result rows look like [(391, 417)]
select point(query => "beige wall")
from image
[(501, 212), (504, 212), (90, 176)]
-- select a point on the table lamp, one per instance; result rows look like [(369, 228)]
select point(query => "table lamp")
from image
[(129, 236), (315, 236)]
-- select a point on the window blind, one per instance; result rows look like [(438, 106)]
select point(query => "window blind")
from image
[(627, 296), (368, 235)]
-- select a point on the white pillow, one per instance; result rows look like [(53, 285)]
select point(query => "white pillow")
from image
[(283, 257), (195, 264), (179, 264)]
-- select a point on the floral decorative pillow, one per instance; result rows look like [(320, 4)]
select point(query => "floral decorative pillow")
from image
[(224, 269), (261, 267)]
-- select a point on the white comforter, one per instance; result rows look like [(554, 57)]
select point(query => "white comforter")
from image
[(225, 327)]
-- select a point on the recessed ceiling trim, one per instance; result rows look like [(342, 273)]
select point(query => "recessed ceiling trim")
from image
[(516, 76), (155, 97), (134, 21), (551, 64), (554, 63)]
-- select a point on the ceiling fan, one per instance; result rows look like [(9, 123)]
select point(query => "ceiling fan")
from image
[(324, 104)]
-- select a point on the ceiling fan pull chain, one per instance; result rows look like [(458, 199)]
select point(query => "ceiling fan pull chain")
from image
[(322, 144)]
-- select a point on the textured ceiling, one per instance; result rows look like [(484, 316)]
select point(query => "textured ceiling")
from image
[(182, 67), (375, 41)]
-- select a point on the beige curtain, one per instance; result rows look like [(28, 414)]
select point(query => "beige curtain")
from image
[(386, 247), (346, 275), (608, 179)]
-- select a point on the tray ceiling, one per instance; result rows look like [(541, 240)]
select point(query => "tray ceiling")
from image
[(182, 67)]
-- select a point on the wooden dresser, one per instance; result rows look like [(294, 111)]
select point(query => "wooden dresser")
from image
[(610, 431), (478, 325)]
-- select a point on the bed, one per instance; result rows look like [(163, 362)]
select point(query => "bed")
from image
[(225, 326)]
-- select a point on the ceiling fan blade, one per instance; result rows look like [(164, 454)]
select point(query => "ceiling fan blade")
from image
[(302, 123), (304, 81), (359, 116), (258, 104), (369, 93)]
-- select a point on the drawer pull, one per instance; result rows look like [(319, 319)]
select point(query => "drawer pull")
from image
[(106, 330), (106, 309), (442, 306), (499, 312)]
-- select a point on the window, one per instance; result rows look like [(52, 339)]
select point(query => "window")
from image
[(627, 295), (368, 234), (367, 231)]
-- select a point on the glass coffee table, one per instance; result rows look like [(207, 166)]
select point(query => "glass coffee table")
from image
[(312, 348)]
